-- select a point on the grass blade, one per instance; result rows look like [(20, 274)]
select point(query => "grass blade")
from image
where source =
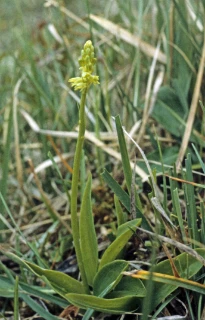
[(124, 154), (123, 197), (190, 202), (115, 187), (6, 161), (178, 212), (199, 158), (121, 216), (45, 314)]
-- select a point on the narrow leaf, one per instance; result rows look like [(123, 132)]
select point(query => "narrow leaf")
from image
[(199, 158), (45, 314), (116, 188), (167, 279), (124, 154), (190, 202), (123, 197), (178, 212), (121, 216)]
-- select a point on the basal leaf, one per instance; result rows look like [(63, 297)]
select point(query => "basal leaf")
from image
[(57, 279), (88, 240), (127, 286), (114, 306), (118, 244), (62, 281), (108, 277)]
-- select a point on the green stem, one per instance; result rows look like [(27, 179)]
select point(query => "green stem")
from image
[(74, 190)]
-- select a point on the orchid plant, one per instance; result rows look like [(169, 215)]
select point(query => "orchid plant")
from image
[(104, 286)]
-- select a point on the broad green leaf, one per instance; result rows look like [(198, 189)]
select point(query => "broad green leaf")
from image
[(88, 240), (62, 281), (57, 279), (105, 280), (125, 232), (187, 267), (108, 277), (127, 286), (115, 306)]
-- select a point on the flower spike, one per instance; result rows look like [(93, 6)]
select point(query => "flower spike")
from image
[(87, 62)]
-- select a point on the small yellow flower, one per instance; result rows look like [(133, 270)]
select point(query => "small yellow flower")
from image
[(87, 62)]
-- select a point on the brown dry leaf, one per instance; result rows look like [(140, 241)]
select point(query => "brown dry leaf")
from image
[(128, 37), (69, 312)]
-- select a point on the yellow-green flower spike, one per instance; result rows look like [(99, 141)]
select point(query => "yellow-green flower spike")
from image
[(87, 62), (87, 59)]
